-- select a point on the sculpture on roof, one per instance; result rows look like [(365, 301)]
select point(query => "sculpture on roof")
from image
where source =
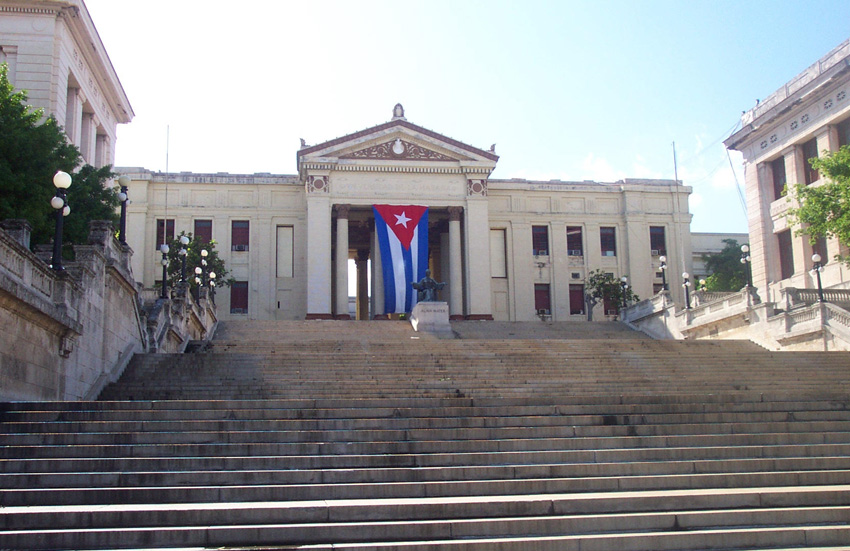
[(398, 111)]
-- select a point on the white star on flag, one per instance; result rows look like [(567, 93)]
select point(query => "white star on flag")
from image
[(401, 219)]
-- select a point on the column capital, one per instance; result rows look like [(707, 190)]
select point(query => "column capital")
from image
[(342, 210), (362, 255), (455, 214)]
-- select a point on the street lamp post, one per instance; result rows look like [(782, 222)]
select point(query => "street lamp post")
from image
[(702, 284), (123, 181), (624, 284), (817, 269), (687, 285), (62, 181), (745, 260), (201, 271), (663, 260), (184, 240), (164, 249)]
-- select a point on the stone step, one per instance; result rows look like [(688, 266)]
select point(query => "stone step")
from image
[(736, 514), (260, 471), (461, 439), (417, 489), (555, 426)]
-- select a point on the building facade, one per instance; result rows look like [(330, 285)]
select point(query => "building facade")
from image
[(806, 117), (507, 249), (53, 52)]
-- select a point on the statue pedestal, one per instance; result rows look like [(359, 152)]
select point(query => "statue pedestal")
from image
[(432, 317)]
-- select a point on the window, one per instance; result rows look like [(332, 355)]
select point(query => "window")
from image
[(576, 299), (786, 254), (540, 240), (611, 309), (239, 234), (608, 239), (777, 167), (657, 288), (164, 231), (498, 257), (844, 133), (203, 230), (575, 245), (239, 297), (657, 243), (541, 298), (284, 251), (810, 151)]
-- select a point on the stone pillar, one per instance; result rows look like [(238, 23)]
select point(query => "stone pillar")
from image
[(455, 265), (74, 115), (377, 277), (341, 262), (362, 264), (19, 229), (318, 256)]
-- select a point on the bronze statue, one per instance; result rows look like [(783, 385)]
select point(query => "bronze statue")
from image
[(427, 288)]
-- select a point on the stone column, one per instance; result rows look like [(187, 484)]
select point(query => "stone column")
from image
[(74, 115), (362, 264), (455, 267), (377, 277), (341, 262)]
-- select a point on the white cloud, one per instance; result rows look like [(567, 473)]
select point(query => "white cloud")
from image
[(599, 170)]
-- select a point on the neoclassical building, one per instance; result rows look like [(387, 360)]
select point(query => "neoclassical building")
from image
[(507, 249), (806, 117), (300, 246), (53, 52)]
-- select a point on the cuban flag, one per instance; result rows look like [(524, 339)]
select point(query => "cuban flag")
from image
[(403, 238)]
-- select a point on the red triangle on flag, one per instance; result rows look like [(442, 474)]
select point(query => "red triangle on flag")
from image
[(402, 220)]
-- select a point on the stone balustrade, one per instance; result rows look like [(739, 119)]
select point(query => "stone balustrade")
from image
[(72, 332)]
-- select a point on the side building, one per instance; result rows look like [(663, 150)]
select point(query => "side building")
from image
[(806, 117), (507, 249), (53, 52)]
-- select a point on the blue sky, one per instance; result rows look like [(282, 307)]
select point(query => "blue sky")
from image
[(567, 90)]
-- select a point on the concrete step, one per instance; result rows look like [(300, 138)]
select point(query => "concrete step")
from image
[(399, 490), (737, 514), (255, 471)]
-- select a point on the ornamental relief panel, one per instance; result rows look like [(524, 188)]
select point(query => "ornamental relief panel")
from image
[(476, 187), (398, 149), (317, 184)]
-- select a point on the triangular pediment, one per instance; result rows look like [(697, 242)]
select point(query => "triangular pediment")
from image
[(398, 149), (397, 140)]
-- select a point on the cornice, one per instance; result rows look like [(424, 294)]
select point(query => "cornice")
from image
[(85, 35), (793, 96), (33, 10), (331, 165)]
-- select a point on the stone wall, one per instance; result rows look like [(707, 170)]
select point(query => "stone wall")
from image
[(66, 334)]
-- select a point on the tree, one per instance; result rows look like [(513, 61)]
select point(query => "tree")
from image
[(603, 285), (728, 273), (193, 260), (824, 210), (90, 199), (30, 154)]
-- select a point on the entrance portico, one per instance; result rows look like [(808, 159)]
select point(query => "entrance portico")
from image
[(395, 163)]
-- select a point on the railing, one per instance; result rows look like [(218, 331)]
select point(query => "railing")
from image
[(712, 302), (796, 298)]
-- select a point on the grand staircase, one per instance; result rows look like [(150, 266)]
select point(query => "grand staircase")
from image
[(367, 436)]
